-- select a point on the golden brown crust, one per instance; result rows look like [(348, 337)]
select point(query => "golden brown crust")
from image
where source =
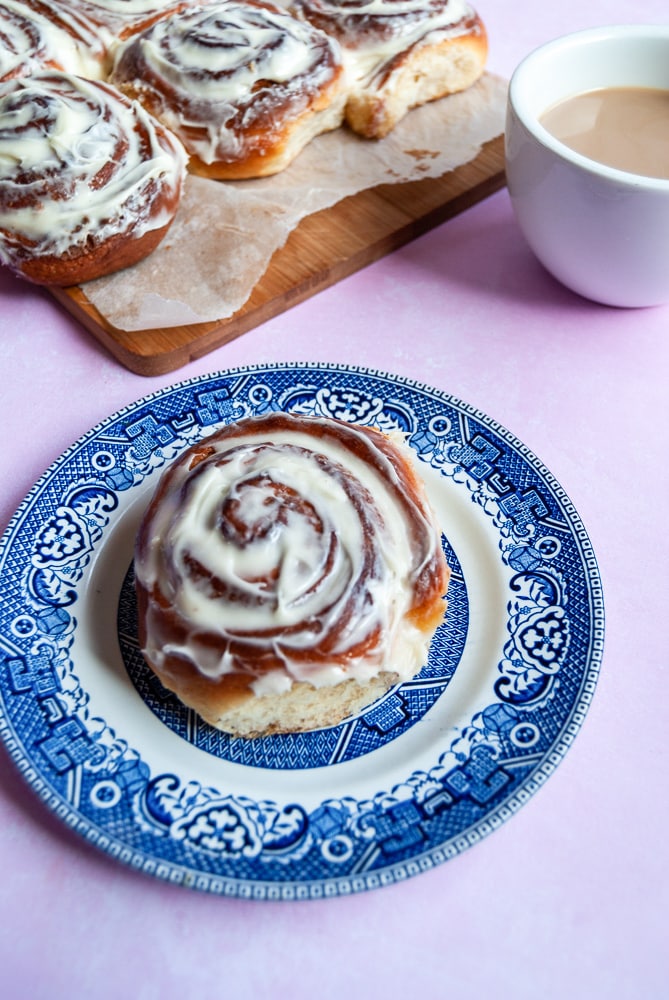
[(118, 252), (267, 157), (267, 151)]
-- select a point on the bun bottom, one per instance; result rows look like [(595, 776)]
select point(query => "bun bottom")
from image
[(418, 76), (300, 710), (79, 266), (230, 704)]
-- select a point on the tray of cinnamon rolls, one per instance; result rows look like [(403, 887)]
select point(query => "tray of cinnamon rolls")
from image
[(107, 109)]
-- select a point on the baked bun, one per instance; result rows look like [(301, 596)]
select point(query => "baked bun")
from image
[(89, 183), (400, 54), (41, 36), (288, 572), (244, 85)]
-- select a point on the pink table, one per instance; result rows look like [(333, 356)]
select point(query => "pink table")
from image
[(570, 897)]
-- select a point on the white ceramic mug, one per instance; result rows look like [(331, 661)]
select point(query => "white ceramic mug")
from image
[(602, 232)]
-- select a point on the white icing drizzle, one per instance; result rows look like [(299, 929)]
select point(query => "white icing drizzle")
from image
[(117, 14), (396, 16), (127, 8), (452, 10), (287, 544), (59, 135), (30, 42), (205, 66), (373, 32)]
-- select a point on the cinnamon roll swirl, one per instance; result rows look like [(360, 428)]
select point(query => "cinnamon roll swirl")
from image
[(89, 183), (288, 572), (400, 54), (244, 85), (39, 36)]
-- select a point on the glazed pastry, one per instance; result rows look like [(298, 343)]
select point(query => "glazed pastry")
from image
[(400, 54), (244, 85), (120, 18), (89, 183), (39, 36), (288, 572)]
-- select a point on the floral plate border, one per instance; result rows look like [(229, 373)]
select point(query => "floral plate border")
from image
[(185, 812)]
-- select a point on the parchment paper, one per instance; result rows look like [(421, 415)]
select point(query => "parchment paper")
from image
[(225, 233)]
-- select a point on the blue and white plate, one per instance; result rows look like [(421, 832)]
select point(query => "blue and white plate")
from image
[(424, 773)]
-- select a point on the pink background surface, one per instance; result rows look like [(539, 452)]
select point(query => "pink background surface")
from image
[(569, 898)]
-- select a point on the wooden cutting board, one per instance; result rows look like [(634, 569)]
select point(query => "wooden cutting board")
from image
[(323, 249)]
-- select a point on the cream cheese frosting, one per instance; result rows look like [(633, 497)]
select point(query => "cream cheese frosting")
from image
[(76, 163), (285, 545), (372, 32), (31, 41)]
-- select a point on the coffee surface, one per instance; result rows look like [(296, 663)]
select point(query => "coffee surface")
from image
[(622, 127)]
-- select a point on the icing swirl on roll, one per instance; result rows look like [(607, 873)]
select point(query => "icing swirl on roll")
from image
[(234, 80), (378, 24), (120, 18), (39, 37), (290, 549), (80, 166)]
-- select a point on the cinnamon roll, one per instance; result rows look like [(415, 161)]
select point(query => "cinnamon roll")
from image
[(288, 572), (400, 54), (40, 36), (89, 183), (244, 85)]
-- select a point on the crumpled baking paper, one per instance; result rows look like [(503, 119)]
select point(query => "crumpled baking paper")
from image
[(225, 233)]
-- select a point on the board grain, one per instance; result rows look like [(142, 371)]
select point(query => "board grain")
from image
[(323, 249)]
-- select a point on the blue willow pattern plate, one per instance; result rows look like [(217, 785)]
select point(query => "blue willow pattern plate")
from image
[(422, 774)]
